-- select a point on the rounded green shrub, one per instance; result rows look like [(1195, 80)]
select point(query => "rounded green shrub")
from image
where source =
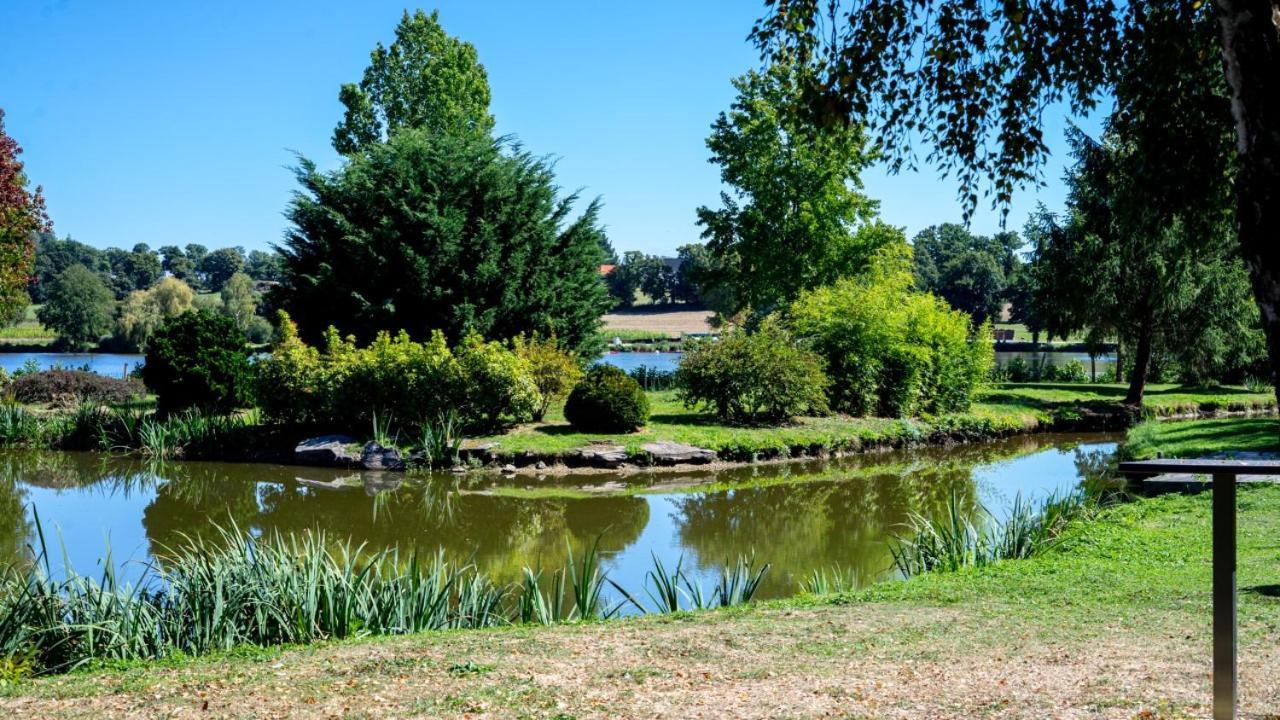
[(607, 400), (764, 376), (198, 360)]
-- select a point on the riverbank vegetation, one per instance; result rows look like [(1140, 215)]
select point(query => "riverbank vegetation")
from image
[(1120, 593), (230, 589)]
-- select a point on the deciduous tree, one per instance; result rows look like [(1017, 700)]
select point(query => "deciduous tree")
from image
[(974, 80), (425, 79), (794, 218), (79, 307), (22, 218)]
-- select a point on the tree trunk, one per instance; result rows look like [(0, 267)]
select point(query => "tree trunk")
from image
[(1251, 49), (1141, 362), (1119, 362), (1035, 338)]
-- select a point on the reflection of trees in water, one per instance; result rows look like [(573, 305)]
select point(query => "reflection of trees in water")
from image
[(803, 526), (499, 534)]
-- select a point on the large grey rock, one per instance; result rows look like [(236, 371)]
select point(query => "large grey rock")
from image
[(671, 453), (376, 457), (606, 455), (327, 450)]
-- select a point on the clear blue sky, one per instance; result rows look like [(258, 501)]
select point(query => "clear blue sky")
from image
[(175, 122)]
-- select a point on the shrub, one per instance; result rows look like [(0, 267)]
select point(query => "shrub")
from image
[(554, 370), (891, 350), (496, 382), (760, 376), (395, 378), (197, 360), (72, 387), (607, 400)]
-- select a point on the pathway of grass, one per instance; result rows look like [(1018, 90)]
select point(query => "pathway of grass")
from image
[(1114, 622)]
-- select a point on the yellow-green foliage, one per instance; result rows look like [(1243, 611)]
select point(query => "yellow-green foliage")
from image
[(890, 349), (143, 311), (554, 370), (394, 377)]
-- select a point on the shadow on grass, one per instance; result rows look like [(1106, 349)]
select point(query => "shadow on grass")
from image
[(1271, 591), (1243, 434)]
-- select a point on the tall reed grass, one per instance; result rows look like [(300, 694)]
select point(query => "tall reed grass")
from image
[(229, 588), (99, 427), (959, 538)]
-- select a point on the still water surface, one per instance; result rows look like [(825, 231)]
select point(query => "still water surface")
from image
[(113, 364), (796, 516)]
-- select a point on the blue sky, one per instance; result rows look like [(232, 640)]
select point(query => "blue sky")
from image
[(170, 123)]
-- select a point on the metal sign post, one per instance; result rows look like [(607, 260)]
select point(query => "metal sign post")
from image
[(1225, 474)]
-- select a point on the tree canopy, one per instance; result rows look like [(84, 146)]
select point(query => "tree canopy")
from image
[(425, 79), (22, 217), (435, 231), (795, 218), (971, 272), (973, 82), (79, 307)]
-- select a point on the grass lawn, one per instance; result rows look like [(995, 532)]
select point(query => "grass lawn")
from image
[(1113, 622), (1205, 437), (1001, 409)]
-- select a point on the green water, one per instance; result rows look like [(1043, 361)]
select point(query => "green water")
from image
[(796, 516)]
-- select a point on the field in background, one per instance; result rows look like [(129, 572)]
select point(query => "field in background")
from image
[(670, 321), (28, 330)]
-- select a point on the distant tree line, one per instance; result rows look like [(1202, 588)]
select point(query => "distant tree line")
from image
[(120, 297), (662, 281)]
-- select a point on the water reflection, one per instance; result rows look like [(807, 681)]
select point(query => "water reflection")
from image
[(796, 516)]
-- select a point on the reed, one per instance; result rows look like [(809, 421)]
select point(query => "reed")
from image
[(958, 539), (228, 589), (441, 440)]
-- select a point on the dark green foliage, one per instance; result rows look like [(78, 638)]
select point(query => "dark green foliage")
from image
[(638, 272), (52, 257), (607, 400), (78, 306), (126, 271), (263, 265), (73, 387), (971, 272), (753, 377), (444, 232), (217, 267), (198, 360), (1146, 252)]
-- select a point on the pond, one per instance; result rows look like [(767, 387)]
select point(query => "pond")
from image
[(113, 364), (1105, 364), (796, 516), (631, 360)]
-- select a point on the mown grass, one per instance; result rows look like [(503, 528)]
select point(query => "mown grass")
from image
[(1202, 437), (1000, 410), (1138, 562)]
